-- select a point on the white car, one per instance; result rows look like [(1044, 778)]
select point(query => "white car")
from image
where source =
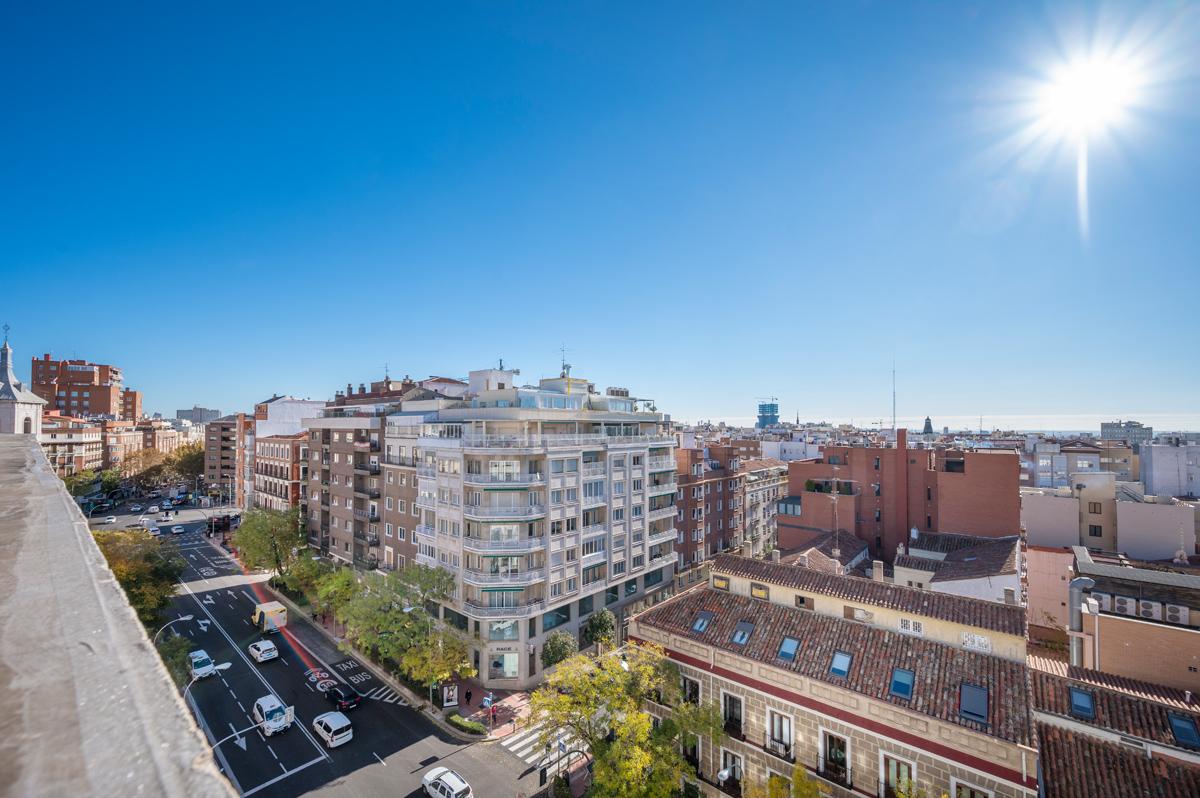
[(272, 716), (177, 530), (263, 650), (334, 728), (112, 519), (153, 508), (135, 508), (155, 531), (445, 783), (202, 664), (166, 505)]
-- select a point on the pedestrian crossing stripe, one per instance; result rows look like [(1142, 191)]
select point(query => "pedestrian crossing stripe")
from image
[(386, 695), (526, 746)]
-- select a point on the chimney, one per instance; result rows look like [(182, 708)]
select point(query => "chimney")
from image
[(362, 388), (877, 570), (902, 438), (775, 555), (349, 389)]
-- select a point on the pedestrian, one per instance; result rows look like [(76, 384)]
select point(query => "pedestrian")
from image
[(493, 711), (468, 697)]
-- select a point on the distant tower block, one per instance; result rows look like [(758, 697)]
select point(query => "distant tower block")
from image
[(928, 427), (768, 413)]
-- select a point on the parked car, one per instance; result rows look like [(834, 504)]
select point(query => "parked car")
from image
[(202, 664), (177, 530), (263, 650), (334, 728), (271, 715), (112, 519), (342, 698), (445, 783)]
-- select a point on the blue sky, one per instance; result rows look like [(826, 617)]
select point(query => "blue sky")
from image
[(703, 203)]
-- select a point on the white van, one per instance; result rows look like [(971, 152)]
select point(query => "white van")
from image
[(271, 715), (334, 728)]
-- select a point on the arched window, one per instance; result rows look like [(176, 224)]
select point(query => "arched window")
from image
[(28, 425)]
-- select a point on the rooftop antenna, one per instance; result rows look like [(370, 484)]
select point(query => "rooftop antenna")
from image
[(6, 328), (501, 364), (893, 397), (385, 371)]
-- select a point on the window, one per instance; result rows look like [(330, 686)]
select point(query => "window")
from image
[(912, 626), (840, 666), (702, 621), (630, 587), (618, 568), (902, 683), (780, 728), (759, 591), (1095, 530), (1185, 731), (741, 633), (973, 702), (1083, 704), (788, 649), (802, 603), (962, 790), (556, 618), (503, 630), (612, 595), (690, 689), (721, 582), (586, 605), (1094, 508)]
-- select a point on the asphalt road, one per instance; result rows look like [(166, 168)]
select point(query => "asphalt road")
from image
[(393, 745)]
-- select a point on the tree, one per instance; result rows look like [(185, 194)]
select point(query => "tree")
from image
[(601, 627), (270, 539), (187, 462), (336, 588), (146, 569), (304, 576), (144, 467), (559, 645), (80, 484), (594, 698), (800, 786), (391, 612), (439, 658), (174, 650), (110, 480)]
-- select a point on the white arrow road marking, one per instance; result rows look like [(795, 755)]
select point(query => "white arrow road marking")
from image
[(238, 739), (209, 599), (203, 624)]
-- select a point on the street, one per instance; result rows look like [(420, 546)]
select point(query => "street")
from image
[(393, 745)]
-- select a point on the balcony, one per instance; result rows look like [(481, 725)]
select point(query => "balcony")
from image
[(474, 577), (367, 515), (426, 471), (365, 492), (594, 469), (433, 562), (424, 529), (395, 459), (515, 545), (661, 464), (780, 748), (368, 563), (837, 772), (363, 445), (593, 501), (662, 487), (485, 512), (533, 607), (665, 559), (366, 469), (666, 536), (504, 479), (663, 512), (425, 502), (558, 441), (594, 529)]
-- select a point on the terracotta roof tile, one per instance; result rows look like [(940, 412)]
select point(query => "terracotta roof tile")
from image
[(1077, 765), (939, 669), (1148, 691), (1006, 618)]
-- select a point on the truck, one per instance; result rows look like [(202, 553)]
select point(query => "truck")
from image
[(270, 616)]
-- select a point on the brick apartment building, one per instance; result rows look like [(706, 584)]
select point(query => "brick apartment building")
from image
[(280, 471), (159, 435), (879, 494), (225, 442), (72, 445), (80, 388), (120, 439), (762, 482)]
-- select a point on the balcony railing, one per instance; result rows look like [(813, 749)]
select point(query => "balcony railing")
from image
[(595, 469), (493, 511), (424, 529), (425, 502), (733, 727), (366, 445), (663, 512), (366, 537), (553, 441), (365, 469), (533, 607), (370, 562), (365, 492), (395, 459), (665, 559), (487, 545), (663, 487), (504, 479), (367, 515), (780, 748), (594, 529), (661, 464), (666, 536), (837, 772), (474, 577), (426, 471), (593, 501)]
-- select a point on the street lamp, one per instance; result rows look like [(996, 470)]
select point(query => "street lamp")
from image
[(224, 666), (168, 623)]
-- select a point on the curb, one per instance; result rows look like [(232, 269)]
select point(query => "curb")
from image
[(414, 701)]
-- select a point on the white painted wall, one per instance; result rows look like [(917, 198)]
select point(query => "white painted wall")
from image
[(790, 450), (286, 416), (1155, 531), (1050, 520), (988, 588), (1171, 470)]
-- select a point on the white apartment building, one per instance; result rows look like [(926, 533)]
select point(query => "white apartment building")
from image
[(547, 503), (1171, 470)]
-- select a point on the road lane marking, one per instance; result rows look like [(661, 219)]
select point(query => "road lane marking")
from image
[(284, 769), (284, 661), (220, 754), (272, 750), (245, 621), (242, 708), (252, 669), (380, 760)]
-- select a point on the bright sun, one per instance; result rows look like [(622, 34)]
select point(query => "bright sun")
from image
[(1087, 97)]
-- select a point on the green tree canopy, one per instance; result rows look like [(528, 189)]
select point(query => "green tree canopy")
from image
[(559, 645), (305, 574), (441, 657), (186, 462), (146, 569), (601, 627), (336, 588), (110, 480), (270, 539), (800, 785), (80, 483)]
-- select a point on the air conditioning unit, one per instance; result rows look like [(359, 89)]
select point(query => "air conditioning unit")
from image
[(1124, 605), (1150, 609), (1104, 600), (1177, 613)]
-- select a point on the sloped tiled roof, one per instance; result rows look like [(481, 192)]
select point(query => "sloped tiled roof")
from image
[(1077, 765), (819, 552), (989, 558), (944, 542), (1169, 696), (918, 563), (1006, 618), (939, 669)]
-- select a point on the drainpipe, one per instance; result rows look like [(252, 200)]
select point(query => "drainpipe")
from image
[(1075, 602)]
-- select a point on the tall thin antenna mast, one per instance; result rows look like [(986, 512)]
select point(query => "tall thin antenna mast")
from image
[(893, 397)]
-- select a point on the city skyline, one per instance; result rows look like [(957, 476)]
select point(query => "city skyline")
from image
[(779, 205)]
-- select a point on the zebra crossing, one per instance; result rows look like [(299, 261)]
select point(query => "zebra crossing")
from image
[(525, 745), (387, 695)]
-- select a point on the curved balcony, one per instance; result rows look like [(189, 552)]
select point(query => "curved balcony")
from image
[(424, 529), (492, 512), (662, 537), (662, 512), (661, 464), (426, 471), (515, 545), (514, 480), (485, 611), (474, 577), (662, 487)]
